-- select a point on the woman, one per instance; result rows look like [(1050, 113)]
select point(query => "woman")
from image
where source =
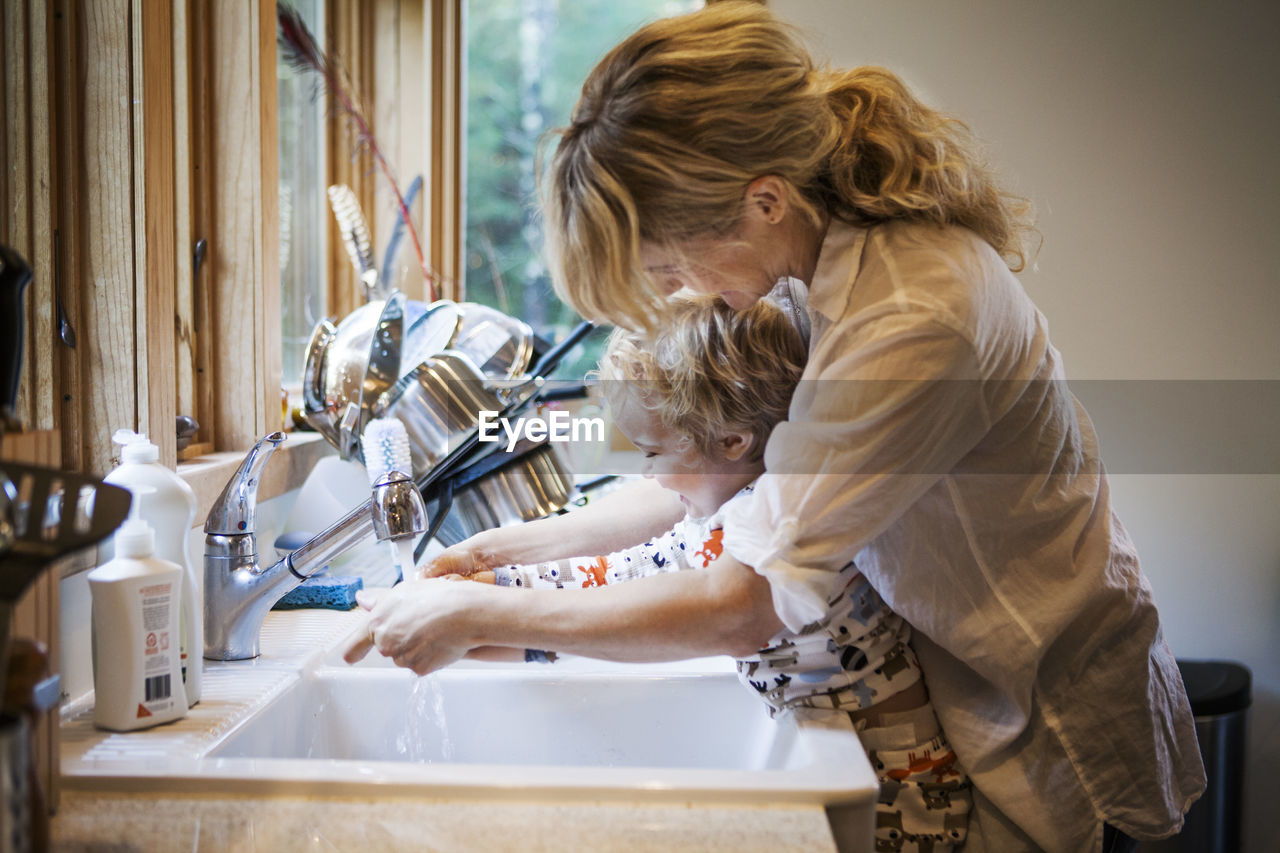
[(932, 437)]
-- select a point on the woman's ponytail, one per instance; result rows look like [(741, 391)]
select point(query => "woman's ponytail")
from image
[(896, 158)]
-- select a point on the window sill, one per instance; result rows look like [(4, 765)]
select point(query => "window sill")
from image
[(289, 466)]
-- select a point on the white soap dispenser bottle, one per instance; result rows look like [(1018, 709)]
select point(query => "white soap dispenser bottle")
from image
[(168, 504), (137, 671)]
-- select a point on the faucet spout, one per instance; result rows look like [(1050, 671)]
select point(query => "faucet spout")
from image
[(239, 591), (236, 508)]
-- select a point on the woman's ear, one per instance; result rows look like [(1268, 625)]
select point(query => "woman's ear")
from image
[(736, 445), (766, 197)]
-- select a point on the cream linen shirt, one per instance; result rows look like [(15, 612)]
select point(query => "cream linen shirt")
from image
[(934, 439)]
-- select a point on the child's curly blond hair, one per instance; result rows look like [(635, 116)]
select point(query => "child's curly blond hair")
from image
[(710, 370)]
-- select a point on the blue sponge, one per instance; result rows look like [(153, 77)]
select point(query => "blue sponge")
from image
[(322, 593)]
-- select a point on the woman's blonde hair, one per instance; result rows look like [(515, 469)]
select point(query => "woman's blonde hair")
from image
[(679, 118), (710, 370)]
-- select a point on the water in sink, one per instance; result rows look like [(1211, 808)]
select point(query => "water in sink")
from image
[(477, 716)]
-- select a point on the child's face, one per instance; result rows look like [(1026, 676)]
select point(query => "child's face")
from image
[(703, 483)]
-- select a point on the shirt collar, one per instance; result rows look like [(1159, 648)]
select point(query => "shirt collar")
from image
[(837, 268)]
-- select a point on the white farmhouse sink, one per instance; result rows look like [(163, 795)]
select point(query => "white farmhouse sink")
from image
[(501, 716), (656, 732)]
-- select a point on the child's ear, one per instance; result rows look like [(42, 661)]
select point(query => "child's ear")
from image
[(736, 445)]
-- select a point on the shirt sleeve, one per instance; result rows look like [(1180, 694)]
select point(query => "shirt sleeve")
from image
[(673, 551), (886, 408)]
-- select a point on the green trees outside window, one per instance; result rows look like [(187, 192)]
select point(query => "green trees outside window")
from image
[(525, 63)]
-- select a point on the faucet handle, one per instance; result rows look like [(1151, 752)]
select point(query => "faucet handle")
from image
[(235, 510)]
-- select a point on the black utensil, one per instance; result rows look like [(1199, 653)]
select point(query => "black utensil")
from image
[(14, 276), (552, 357), (65, 331), (197, 259), (50, 514)]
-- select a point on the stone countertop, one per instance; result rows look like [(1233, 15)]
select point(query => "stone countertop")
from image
[(128, 822)]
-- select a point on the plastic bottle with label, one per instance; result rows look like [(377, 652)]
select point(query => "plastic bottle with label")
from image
[(137, 668), (168, 505)]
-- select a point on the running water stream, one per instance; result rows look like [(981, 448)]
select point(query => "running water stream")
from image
[(404, 557), (425, 724)]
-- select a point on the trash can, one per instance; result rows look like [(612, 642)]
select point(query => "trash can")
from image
[(1220, 694)]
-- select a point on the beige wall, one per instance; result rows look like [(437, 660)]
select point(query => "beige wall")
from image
[(1148, 136)]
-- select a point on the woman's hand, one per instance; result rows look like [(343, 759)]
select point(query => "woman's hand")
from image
[(421, 625)]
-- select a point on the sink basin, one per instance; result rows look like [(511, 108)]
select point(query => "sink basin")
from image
[(676, 733), (472, 716), (611, 730)]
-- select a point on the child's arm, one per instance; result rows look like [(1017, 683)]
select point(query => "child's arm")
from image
[(500, 654), (682, 547), (617, 520)]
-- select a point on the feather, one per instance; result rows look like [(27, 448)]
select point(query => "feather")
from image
[(303, 54), (355, 237)]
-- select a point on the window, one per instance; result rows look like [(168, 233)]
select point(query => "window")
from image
[(525, 63), (303, 205)]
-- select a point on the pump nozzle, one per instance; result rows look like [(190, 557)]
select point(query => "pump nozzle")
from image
[(135, 538)]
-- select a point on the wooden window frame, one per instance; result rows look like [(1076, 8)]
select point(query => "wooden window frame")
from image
[(129, 191)]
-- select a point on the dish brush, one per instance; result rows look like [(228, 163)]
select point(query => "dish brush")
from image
[(385, 446)]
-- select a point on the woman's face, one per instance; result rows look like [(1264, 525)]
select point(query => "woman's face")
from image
[(771, 241), (729, 266), (702, 483)]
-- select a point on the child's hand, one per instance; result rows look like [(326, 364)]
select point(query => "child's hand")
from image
[(485, 576), (448, 562), (455, 560)]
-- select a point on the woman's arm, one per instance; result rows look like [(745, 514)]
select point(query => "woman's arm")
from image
[(428, 624), (615, 521)]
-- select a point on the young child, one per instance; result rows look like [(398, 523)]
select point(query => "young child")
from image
[(699, 400)]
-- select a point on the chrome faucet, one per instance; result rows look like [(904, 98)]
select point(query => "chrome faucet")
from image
[(238, 591)]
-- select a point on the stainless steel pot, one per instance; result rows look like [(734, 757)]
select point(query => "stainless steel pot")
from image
[(533, 485), (439, 402), (430, 334), (351, 364), (449, 356), (500, 345), (334, 375)]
